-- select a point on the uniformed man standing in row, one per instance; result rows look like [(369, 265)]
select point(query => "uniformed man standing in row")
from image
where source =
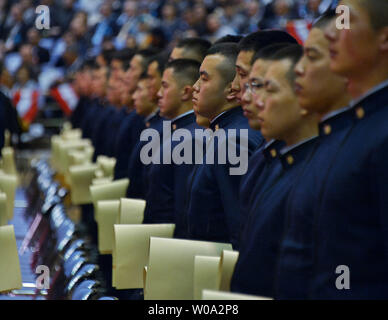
[(322, 90), (281, 120), (212, 210), (335, 242), (129, 132), (165, 180)]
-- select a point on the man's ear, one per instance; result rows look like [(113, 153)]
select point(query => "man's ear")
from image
[(187, 93), (383, 37), (230, 93)]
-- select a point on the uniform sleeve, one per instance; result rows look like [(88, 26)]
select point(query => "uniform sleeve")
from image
[(380, 187)]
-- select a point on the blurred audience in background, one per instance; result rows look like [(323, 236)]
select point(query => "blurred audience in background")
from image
[(81, 30)]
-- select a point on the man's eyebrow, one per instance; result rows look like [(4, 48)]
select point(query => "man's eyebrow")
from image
[(241, 67), (310, 50), (255, 79), (204, 73)]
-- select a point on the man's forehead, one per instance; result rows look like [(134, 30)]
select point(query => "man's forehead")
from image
[(316, 38), (277, 70), (136, 59), (244, 59), (259, 68), (210, 62), (168, 74)]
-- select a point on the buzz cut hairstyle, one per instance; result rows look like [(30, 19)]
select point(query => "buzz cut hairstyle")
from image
[(229, 52), (161, 58), (146, 55), (229, 38), (322, 21), (186, 71), (198, 46), (125, 56), (260, 39), (378, 12), (268, 52), (292, 53)]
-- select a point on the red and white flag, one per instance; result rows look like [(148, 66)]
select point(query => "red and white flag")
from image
[(299, 29), (66, 97), (26, 102)]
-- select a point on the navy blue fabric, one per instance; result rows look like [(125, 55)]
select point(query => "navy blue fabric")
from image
[(164, 180), (87, 124), (112, 128), (256, 166), (136, 169), (79, 112), (213, 212), (126, 140), (101, 130), (338, 210), (255, 269)]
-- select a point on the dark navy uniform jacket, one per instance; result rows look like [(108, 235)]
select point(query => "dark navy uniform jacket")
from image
[(79, 112), (263, 230), (182, 174), (338, 210), (101, 129), (127, 137), (213, 211), (112, 128), (136, 169), (87, 124), (257, 165), (164, 180)]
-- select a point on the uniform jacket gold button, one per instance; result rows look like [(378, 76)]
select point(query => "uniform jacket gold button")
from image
[(273, 153), (290, 160), (148, 124), (217, 126), (360, 112), (327, 129), (174, 126)]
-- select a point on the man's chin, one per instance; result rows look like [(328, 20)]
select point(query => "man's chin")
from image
[(254, 124)]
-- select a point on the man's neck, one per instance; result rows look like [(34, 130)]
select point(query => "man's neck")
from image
[(338, 103), (225, 107), (186, 107), (361, 83), (307, 129), (153, 110)]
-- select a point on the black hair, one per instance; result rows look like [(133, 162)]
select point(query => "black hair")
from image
[(143, 76), (196, 46), (229, 38), (229, 51), (378, 12), (185, 70), (322, 21), (257, 40), (107, 54), (124, 55), (146, 55), (161, 59), (292, 53), (267, 52)]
